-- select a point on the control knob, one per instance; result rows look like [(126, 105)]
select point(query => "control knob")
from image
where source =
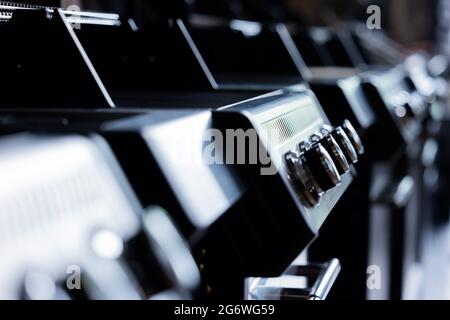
[(346, 145), (353, 136), (322, 167), (302, 178), (332, 147)]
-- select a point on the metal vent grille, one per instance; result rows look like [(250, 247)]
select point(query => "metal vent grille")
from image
[(36, 210), (55, 191), (5, 15), (294, 124), (19, 5)]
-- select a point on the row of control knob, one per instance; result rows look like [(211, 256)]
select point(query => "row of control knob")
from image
[(316, 165)]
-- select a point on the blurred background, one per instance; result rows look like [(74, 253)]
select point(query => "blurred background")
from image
[(413, 23)]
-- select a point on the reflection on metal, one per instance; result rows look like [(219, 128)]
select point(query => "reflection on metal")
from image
[(293, 284)]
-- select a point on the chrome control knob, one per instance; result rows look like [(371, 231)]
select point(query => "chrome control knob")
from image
[(301, 178), (418, 103), (404, 111), (322, 167), (345, 144), (335, 151), (353, 136), (408, 105)]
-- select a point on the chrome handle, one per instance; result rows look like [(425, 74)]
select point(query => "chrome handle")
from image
[(293, 285), (325, 274)]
